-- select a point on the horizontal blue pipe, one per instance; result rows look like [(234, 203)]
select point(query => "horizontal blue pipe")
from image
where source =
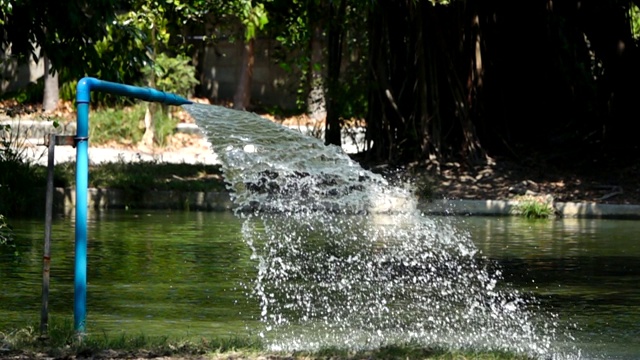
[(83, 98), (87, 84)]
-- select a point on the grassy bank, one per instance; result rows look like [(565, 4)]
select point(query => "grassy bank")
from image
[(18, 180), (143, 176), (62, 342)]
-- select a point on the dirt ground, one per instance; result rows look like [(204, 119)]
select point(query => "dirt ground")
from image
[(504, 179)]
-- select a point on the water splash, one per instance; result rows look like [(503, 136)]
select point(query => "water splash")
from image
[(346, 260)]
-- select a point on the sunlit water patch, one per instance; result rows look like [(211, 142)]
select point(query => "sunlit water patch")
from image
[(332, 272)]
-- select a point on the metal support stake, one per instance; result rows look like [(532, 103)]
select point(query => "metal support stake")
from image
[(46, 258), (51, 141)]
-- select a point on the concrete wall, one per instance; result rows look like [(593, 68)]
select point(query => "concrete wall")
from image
[(220, 71), (101, 199), (14, 76), (271, 85)]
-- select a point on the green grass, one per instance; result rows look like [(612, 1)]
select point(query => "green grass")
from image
[(63, 342), (117, 124)]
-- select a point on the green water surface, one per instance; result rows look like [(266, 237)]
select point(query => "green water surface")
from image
[(189, 274), (584, 270), (161, 273)]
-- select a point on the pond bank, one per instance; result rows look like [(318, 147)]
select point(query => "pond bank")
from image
[(99, 199)]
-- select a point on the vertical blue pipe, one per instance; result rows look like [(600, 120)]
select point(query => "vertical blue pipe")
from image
[(83, 99)]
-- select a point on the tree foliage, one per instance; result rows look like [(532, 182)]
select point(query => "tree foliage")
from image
[(438, 79), (64, 31), (634, 14), (253, 17), (173, 74), (340, 28), (6, 8)]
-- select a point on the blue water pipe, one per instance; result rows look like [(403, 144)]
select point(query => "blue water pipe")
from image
[(83, 98)]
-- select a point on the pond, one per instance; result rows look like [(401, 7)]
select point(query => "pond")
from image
[(585, 270), (187, 274), (159, 272)]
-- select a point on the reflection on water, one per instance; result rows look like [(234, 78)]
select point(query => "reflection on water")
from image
[(182, 274), (585, 270)]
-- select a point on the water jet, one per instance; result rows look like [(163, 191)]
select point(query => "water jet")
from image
[(332, 273)]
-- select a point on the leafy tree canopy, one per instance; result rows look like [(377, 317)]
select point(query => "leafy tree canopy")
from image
[(63, 30)]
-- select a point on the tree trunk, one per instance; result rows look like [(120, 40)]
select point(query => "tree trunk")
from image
[(242, 97), (335, 41), (316, 104), (418, 107), (460, 81), (149, 137), (388, 66), (51, 87)]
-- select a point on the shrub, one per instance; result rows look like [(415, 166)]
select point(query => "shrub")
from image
[(120, 125), (173, 74), (18, 176), (534, 207)]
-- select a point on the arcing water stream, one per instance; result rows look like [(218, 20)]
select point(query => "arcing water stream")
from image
[(332, 274)]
